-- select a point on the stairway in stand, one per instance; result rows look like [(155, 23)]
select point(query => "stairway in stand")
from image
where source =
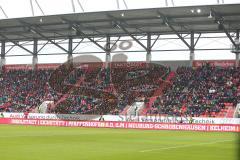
[(230, 112), (124, 112), (170, 76), (227, 112), (159, 91), (64, 97)]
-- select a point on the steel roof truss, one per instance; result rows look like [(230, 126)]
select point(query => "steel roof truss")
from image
[(166, 21), (199, 36), (43, 46), (77, 27), (35, 30), (115, 43), (133, 37), (56, 44), (77, 45), (219, 19), (155, 41), (15, 43), (86, 36)]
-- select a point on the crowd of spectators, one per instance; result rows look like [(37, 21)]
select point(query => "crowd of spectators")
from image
[(110, 89), (100, 90), (95, 89), (199, 91), (24, 90)]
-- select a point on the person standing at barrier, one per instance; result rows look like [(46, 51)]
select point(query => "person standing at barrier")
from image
[(26, 114), (191, 120), (1, 115)]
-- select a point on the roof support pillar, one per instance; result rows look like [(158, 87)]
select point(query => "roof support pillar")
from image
[(192, 49), (237, 48), (3, 52), (3, 49), (34, 62), (35, 46), (149, 48), (35, 54), (70, 49), (166, 21), (108, 51), (237, 59)]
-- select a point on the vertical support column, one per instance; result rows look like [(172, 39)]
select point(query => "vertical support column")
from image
[(237, 49), (237, 59), (3, 52), (166, 3), (192, 54), (118, 5), (108, 51), (70, 49), (35, 54), (149, 49)]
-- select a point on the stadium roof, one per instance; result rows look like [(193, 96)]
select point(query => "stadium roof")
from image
[(173, 20)]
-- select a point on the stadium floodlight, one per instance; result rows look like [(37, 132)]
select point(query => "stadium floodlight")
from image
[(210, 15), (199, 10), (192, 10), (122, 14)]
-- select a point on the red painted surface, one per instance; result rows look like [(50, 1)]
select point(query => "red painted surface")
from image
[(126, 125)]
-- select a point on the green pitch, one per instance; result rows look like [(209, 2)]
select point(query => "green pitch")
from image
[(52, 143)]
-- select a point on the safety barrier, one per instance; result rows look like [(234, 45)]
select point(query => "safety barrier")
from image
[(126, 125)]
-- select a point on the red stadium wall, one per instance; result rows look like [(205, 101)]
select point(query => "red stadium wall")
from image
[(125, 125), (29, 66), (197, 63), (221, 63)]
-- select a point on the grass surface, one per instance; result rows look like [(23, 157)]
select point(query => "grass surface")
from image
[(59, 143)]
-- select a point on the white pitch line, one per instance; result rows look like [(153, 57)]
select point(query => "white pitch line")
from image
[(184, 146)]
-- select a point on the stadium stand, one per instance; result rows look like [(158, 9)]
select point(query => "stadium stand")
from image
[(24, 90), (204, 91)]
